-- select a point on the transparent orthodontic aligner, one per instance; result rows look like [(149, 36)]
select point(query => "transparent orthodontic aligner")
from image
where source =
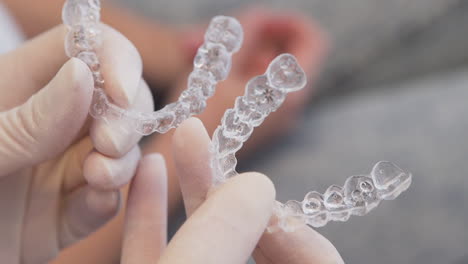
[(359, 195), (212, 64), (265, 94)]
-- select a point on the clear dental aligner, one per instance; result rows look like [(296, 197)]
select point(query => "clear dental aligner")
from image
[(265, 94), (212, 64)]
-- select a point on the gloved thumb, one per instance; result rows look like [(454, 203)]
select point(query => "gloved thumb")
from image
[(48, 122)]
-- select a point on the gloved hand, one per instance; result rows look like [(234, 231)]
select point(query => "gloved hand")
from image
[(60, 170), (224, 225), (224, 229), (192, 158)]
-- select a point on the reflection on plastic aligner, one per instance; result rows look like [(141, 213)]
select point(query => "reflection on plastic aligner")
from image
[(212, 64), (358, 196), (265, 94)]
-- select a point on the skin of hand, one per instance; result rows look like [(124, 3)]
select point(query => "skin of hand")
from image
[(61, 171), (192, 158)]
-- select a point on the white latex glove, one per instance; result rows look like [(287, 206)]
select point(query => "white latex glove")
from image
[(224, 229), (192, 156), (224, 225), (60, 171)]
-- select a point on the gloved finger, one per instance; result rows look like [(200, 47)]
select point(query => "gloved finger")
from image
[(104, 173), (191, 145), (304, 245), (121, 66), (84, 211), (227, 226), (73, 163), (114, 138), (83, 165), (47, 123), (41, 57), (146, 217)]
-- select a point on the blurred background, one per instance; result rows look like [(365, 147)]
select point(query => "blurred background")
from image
[(395, 87)]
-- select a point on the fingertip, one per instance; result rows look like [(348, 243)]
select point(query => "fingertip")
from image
[(123, 72), (153, 162), (191, 151), (253, 192), (187, 129), (304, 245), (97, 172), (190, 137), (121, 66), (107, 203), (111, 139), (106, 173), (115, 137), (151, 176), (149, 188), (150, 179), (73, 88), (80, 71), (146, 216), (82, 77), (85, 210), (153, 158), (238, 210), (257, 187)]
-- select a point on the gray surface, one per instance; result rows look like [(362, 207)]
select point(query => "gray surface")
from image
[(422, 126)]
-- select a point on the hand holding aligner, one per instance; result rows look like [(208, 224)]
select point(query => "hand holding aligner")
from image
[(211, 65), (265, 94)]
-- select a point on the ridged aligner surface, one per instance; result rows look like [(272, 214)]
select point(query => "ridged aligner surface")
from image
[(359, 195), (263, 95), (212, 64)]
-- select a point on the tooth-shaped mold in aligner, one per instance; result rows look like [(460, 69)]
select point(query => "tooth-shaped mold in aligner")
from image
[(212, 64), (358, 196), (265, 94)]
